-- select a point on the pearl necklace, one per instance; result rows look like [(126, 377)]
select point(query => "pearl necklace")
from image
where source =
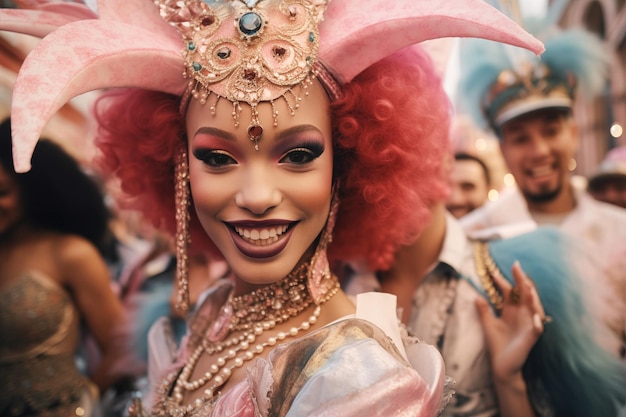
[(253, 314)]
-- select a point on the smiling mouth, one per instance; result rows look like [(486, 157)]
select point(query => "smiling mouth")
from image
[(540, 172), (261, 236), (261, 241)]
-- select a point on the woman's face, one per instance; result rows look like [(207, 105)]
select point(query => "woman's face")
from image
[(262, 208), (10, 205)]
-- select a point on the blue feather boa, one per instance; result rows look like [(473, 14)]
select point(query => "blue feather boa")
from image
[(580, 377)]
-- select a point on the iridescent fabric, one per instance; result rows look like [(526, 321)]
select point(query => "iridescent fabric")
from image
[(39, 328)]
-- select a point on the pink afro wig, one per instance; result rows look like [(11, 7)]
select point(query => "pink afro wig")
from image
[(391, 133), (139, 132)]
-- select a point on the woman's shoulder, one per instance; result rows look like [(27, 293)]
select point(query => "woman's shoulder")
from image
[(76, 258), (38, 250), (72, 247)]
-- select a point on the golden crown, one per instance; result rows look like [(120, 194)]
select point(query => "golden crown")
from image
[(247, 51)]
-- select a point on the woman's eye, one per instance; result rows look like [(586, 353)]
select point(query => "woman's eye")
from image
[(302, 156), (213, 158)]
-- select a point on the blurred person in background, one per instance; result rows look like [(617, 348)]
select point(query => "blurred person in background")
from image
[(53, 280), (529, 105), (470, 183), (608, 183)]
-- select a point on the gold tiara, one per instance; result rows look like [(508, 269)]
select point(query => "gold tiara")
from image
[(247, 51)]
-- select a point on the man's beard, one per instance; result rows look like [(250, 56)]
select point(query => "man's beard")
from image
[(543, 197)]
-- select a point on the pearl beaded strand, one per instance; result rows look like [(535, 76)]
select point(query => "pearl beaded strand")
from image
[(219, 372), (250, 316)]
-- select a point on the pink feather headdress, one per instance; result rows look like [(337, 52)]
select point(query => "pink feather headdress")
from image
[(130, 44)]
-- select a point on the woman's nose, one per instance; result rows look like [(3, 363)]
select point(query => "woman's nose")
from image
[(258, 192)]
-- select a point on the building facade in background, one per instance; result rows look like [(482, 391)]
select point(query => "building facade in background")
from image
[(603, 125)]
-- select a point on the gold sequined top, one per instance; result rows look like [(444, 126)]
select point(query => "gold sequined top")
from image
[(39, 331)]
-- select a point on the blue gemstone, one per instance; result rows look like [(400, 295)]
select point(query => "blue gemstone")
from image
[(197, 66), (191, 46), (311, 36), (250, 23)]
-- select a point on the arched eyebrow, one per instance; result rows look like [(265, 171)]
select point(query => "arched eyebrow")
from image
[(295, 130), (216, 132)]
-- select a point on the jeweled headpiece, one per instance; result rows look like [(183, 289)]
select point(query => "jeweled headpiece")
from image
[(128, 44), (498, 84), (247, 51)]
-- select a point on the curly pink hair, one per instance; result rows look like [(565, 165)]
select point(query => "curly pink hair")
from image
[(391, 128), (390, 136)]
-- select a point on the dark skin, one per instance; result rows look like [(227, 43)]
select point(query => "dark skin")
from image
[(70, 261), (73, 263)]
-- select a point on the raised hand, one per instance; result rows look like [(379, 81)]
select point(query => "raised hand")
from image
[(512, 334)]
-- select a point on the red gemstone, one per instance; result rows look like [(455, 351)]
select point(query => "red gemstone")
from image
[(255, 132), (207, 21), (279, 52), (249, 74)]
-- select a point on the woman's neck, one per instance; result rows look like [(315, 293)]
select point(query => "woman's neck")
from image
[(16, 233), (243, 287)]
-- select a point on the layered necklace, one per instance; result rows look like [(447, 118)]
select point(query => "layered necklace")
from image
[(251, 315)]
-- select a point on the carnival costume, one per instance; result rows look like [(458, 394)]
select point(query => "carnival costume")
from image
[(256, 52)]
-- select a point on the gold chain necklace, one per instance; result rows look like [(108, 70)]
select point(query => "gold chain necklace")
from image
[(253, 314), (276, 303)]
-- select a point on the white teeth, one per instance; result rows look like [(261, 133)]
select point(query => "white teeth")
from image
[(264, 236), (541, 171)]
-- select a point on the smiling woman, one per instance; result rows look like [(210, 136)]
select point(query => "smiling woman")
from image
[(285, 183), (277, 153)]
